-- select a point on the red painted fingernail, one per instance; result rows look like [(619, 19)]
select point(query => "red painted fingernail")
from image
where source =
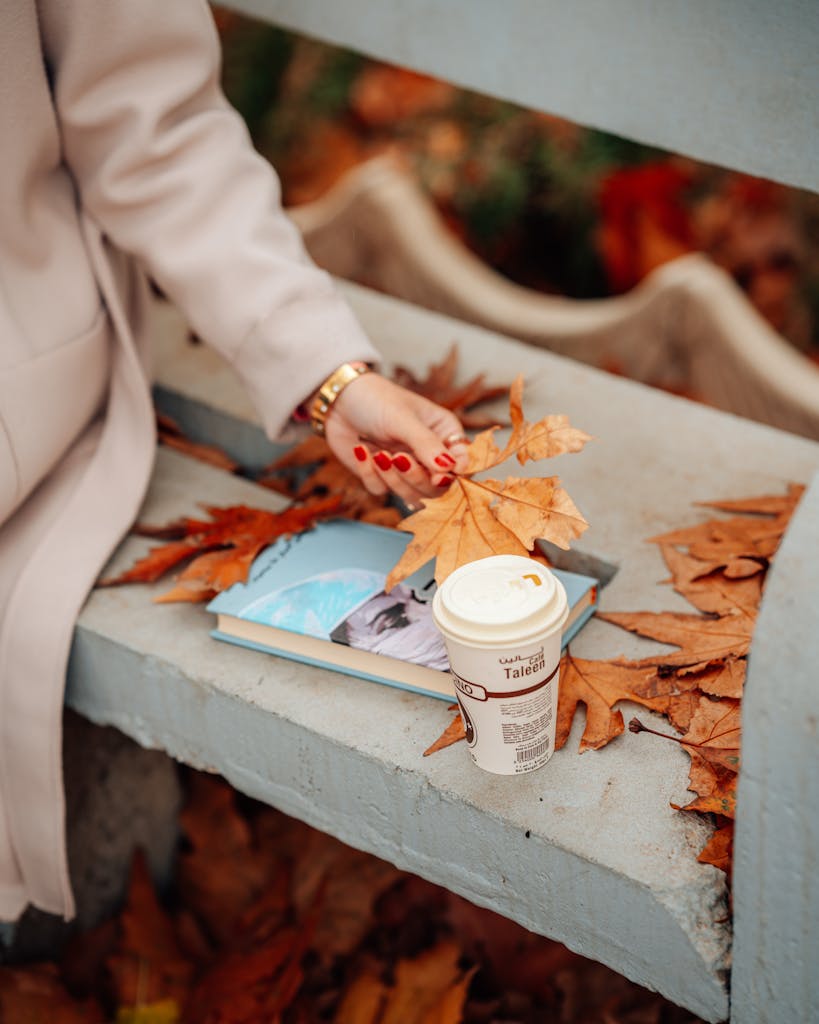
[(444, 460), (382, 460), (360, 453), (445, 481), (401, 462)]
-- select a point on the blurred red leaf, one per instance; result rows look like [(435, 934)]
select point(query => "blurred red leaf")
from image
[(643, 221)]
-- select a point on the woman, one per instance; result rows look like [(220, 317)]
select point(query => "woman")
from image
[(121, 159)]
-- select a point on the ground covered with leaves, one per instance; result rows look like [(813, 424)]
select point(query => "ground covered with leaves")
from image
[(271, 921)]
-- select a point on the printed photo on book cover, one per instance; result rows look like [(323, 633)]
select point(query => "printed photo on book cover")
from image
[(349, 606)]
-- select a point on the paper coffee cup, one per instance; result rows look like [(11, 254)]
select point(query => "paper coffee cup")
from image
[(501, 618)]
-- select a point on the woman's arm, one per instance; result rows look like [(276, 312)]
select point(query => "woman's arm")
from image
[(166, 167)]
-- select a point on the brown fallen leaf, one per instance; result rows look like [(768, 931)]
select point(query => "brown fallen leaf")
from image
[(240, 531), (702, 641), (715, 731), (310, 470), (35, 992), (581, 683), (166, 1011), (708, 589), (453, 733), (719, 850), (723, 679), (720, 540), (148, 965), (712, 741), (429, 989), (363, 1001), (170, 434), (217, 838), (477, 518), (439, 387)]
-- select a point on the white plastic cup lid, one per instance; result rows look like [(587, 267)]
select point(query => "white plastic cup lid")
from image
[(500, 600)]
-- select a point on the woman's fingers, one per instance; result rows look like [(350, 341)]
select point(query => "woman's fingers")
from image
[(396, 440)]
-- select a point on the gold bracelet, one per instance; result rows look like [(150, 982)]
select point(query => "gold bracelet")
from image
[(329, 391)]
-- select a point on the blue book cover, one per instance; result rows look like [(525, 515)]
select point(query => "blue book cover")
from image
[(319, 597)]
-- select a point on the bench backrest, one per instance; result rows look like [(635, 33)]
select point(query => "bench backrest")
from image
[(731, 82)]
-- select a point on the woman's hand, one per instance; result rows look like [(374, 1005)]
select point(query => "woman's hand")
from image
[(395, 440)]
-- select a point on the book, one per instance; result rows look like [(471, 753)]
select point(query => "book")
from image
[(318, 597)]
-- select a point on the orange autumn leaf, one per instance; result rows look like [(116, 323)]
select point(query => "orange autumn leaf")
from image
[(712, 742), (719, 850), (477, 518), (553, 435), (326, 475), (453, 733), (780, 505), (715, 731), (721, 540), (580, 684), (225, 546), (725, 679), (384, 94), (712, 591), (429, 989), (148, 964), (217, 838), (439, 387), (35, 992), (170, 434)]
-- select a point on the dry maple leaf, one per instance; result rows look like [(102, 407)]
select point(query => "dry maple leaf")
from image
[(310, 470), (439, 387), (780, 505), (599, 685), (712, 741), (429, 989), (477, 518), (148, 964), (719, 850), (702, 641), (720, 541), (715, 732), (711, 591), (35, 992), (453, 733), (226, 546)]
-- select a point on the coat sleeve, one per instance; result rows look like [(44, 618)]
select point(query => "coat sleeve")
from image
[(167, 169)]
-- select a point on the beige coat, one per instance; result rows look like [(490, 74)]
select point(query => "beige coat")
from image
[(118, 155)]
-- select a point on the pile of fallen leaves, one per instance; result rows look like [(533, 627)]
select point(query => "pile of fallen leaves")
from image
[(719, 567), (270, 921)]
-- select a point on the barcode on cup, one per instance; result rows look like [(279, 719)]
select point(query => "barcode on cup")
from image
[(527, 753)]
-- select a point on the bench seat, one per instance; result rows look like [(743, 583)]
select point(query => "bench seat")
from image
[(586, 850)]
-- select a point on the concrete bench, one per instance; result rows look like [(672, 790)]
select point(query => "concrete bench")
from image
[(586, 850)]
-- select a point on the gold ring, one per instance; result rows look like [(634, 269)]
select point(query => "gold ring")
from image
[(458, 438)]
